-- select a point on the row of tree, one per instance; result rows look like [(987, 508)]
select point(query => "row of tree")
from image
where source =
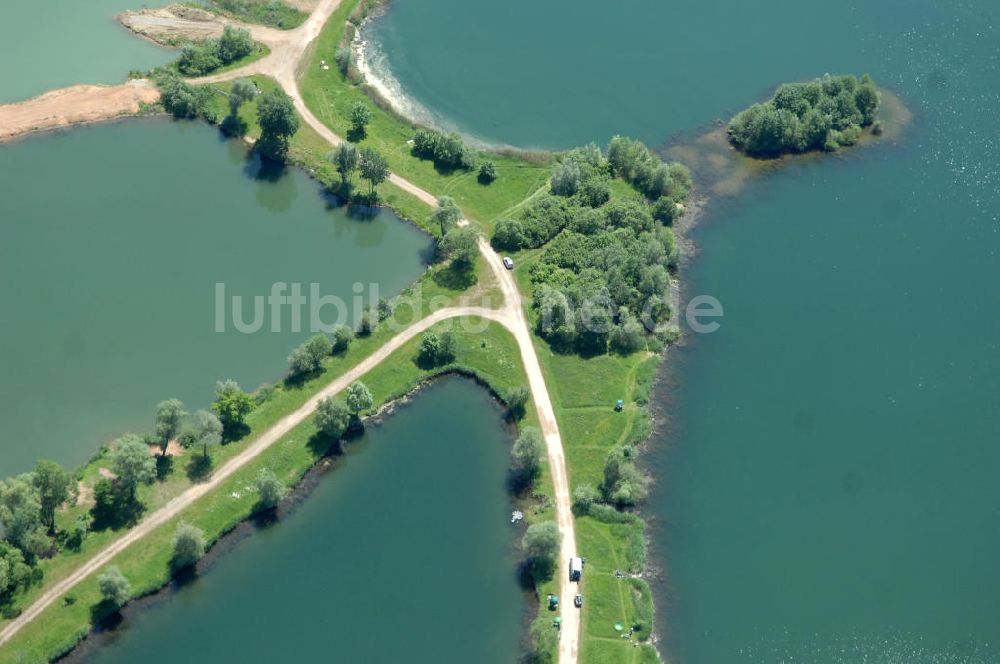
[(818, 115)]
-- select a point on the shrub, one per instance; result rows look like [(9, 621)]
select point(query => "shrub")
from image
[(584, 497), (189, 546), (817, 115), (114, 587), (447, 151), (541, 543), (308, 357), (508, 235), (270, 489), (343, 335), (487, 172)]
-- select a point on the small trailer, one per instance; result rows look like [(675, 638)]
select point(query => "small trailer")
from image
[(575, 568)]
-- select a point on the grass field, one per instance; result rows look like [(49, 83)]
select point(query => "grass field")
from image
[(330, 95), (265, 12)]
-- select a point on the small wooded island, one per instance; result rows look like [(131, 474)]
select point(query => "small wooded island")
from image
[(824, 114)]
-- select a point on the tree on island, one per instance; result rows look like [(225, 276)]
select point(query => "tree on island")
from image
[(374, 169), (278, 122)]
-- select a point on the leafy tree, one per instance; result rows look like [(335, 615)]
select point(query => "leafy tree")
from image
[(358, 397), (21, 518), (584, 497), (14, 571), (369, 321), (345, 157), (131, 463), (242, 91), (374, 169), (595, 190), (361, 115), (447, 151), (232, 404), (565, 178), (278, 122), (446, 215), (183, 101), (528, 453), (487, 172), (508, 235), (541, 544), (460, 244), (270, 489), (53, 486), (207, 430), (199, 59), (623, 484), (308, 357), (189, 546), (543, 643), (169, 415), (115, 588), (665, 210), (235, 43), (628, 336), (343, 335), (333, 417), (517, 401), (430, 347)]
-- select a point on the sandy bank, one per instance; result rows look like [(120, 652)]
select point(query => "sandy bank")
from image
[(75, 105)]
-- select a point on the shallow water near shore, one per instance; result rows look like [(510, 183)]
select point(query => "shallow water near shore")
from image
[(113, 240), (66, 42), (825, 463), (393, 557)]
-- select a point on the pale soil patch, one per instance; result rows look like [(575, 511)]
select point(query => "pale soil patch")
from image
[(174, 449), (176, 24), (106, 474), (84, 494), (303, 5), (75, 105), (172, 25)]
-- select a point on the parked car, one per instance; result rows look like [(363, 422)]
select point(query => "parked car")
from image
[(508, 263), (578, 601)]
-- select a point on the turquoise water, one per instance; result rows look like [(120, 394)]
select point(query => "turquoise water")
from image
[(394, 557), (67, 42), (113, 240), (826, 485)]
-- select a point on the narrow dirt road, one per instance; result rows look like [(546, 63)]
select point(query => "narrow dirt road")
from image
[(282, 65)]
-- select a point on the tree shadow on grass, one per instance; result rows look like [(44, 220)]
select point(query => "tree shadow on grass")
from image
[(234, 432), (322, 445), (164, 466), (455, 277), (297, 380), (355, 134), (198, 468)]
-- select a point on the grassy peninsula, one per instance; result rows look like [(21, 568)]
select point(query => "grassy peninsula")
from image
[(824, 114)]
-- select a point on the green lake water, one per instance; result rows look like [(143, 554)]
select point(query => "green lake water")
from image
[(112, 241), (394, 557), (65, 42), (826, 466)]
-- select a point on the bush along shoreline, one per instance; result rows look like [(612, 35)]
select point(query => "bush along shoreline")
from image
[(825, 114)]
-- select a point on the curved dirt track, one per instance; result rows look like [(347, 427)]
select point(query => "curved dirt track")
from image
[(282, 65)]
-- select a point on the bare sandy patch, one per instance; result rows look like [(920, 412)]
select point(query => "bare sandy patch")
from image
[(174, 449), (106, 474), (75, 105)]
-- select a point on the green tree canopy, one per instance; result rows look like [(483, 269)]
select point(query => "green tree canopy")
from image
[(242, 91), (270, 489), (169, 415), (541, 544), (278, 122), (374, 168), (333, 417), (232, 404), (131, 463), (358, 397), (114, 587), (189, 546), (53, 485)]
